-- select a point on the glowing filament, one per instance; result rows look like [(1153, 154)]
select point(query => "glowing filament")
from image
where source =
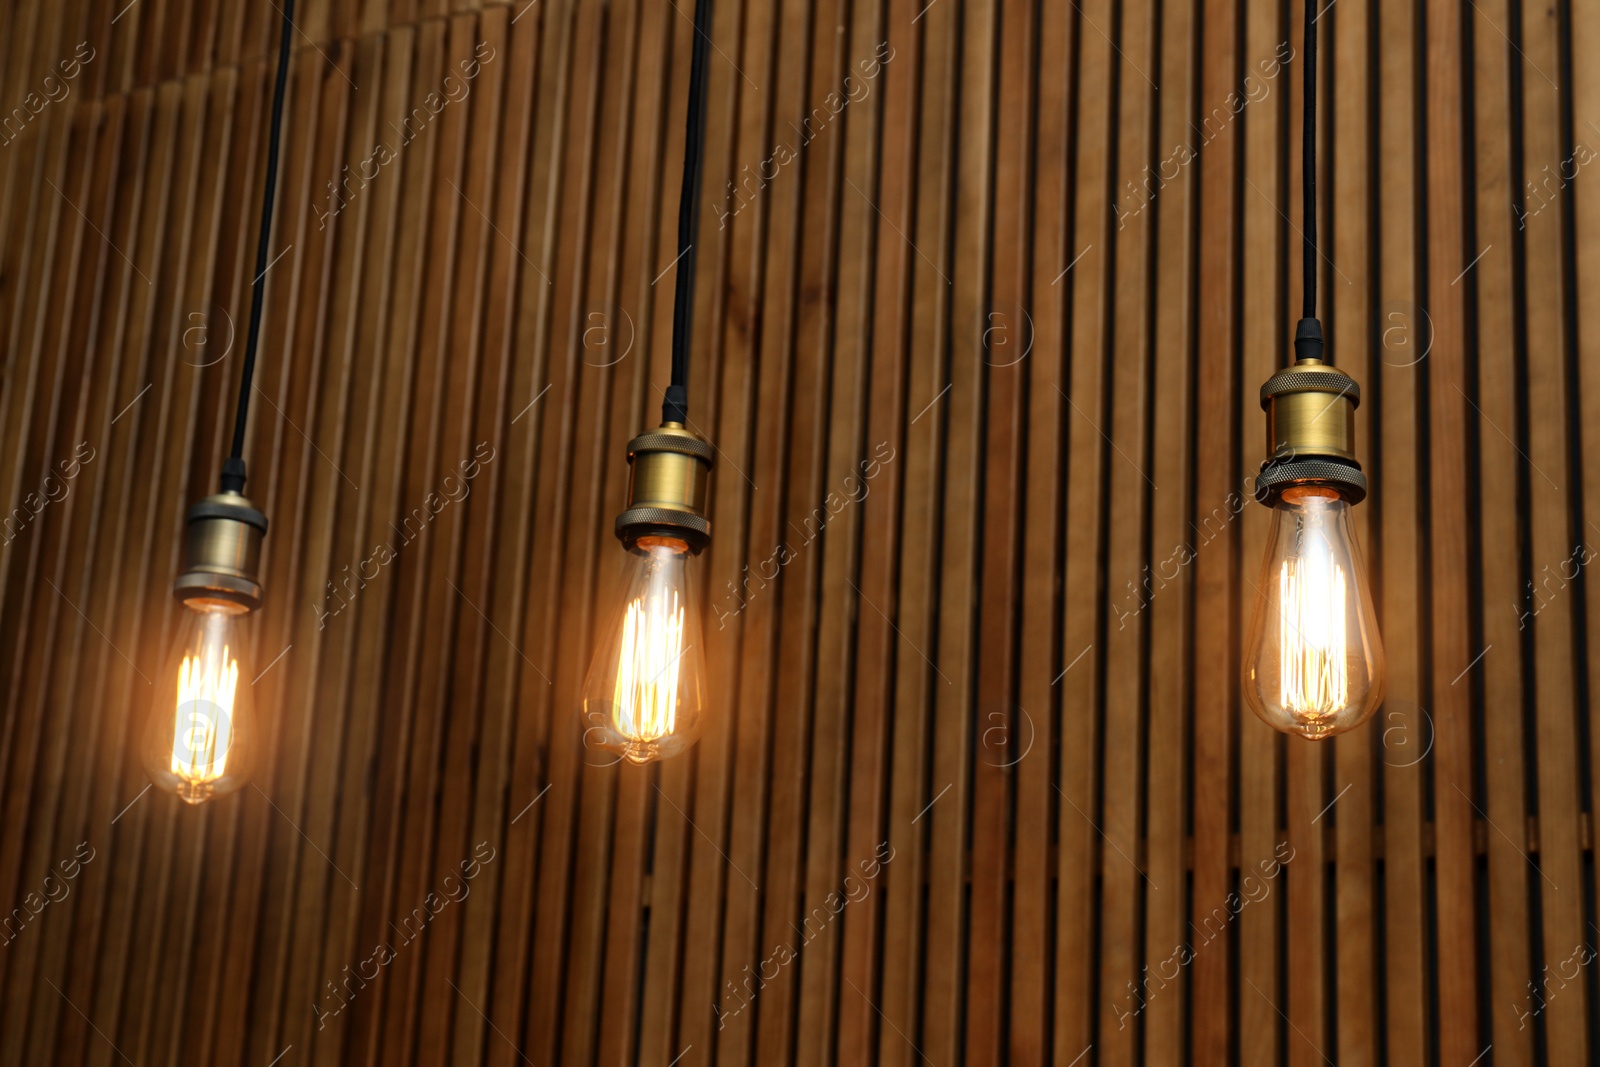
[(202, 728), (1314, 679), (646, 705)]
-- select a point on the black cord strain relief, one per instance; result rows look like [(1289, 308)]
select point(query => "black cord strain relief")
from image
[(233, 476), (675, 408), (1308, 339)]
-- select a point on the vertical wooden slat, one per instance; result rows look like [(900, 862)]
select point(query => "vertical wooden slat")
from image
[(1034, 730), (1007, 340), (1264, 338), (1164, 588), (1216, 577), (1404, 336), (1453, 785), (1585, 102), (1082, 855), (1554, 542), (955, 227), (1123, 882), (1497, 422)]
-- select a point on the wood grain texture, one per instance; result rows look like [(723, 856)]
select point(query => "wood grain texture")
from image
[(985, 291)]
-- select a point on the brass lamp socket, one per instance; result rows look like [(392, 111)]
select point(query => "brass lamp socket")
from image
[(670, 471), (1311, 432), (222, 553)]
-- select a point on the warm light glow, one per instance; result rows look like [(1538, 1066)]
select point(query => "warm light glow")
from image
[(200, 736), (643, 697), (202, 725), (1313, 678), (646, 705)]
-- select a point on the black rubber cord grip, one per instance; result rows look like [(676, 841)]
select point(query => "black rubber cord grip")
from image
[(1308, 340), (675, 407)]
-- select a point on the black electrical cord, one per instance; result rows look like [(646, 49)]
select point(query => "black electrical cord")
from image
[(1308, 335), (675, 408), (233, 473), (1309, 165)]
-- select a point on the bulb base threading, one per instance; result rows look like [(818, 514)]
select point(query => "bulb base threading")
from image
[(667, 483), (222, 552)]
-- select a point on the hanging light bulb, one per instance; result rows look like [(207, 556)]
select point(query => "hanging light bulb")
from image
[(644, 697), (1313, 662), (200, 735)]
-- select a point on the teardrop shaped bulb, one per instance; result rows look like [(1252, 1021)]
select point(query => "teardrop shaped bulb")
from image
[(200, 737), (644, 695), (1313, 661)]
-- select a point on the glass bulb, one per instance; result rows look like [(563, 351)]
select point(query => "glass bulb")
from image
[(201, 732), (644, 696), (1313, 662)]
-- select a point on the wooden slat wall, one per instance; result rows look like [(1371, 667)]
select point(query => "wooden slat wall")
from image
[(978, 352)]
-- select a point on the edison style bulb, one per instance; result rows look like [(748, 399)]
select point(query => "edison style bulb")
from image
[(1313, 662), (644, 696), (200, 735)]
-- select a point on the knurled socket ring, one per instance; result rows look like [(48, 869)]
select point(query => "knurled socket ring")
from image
[(662, 520), (682, 442), (1326, 380), (1279, 475)]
